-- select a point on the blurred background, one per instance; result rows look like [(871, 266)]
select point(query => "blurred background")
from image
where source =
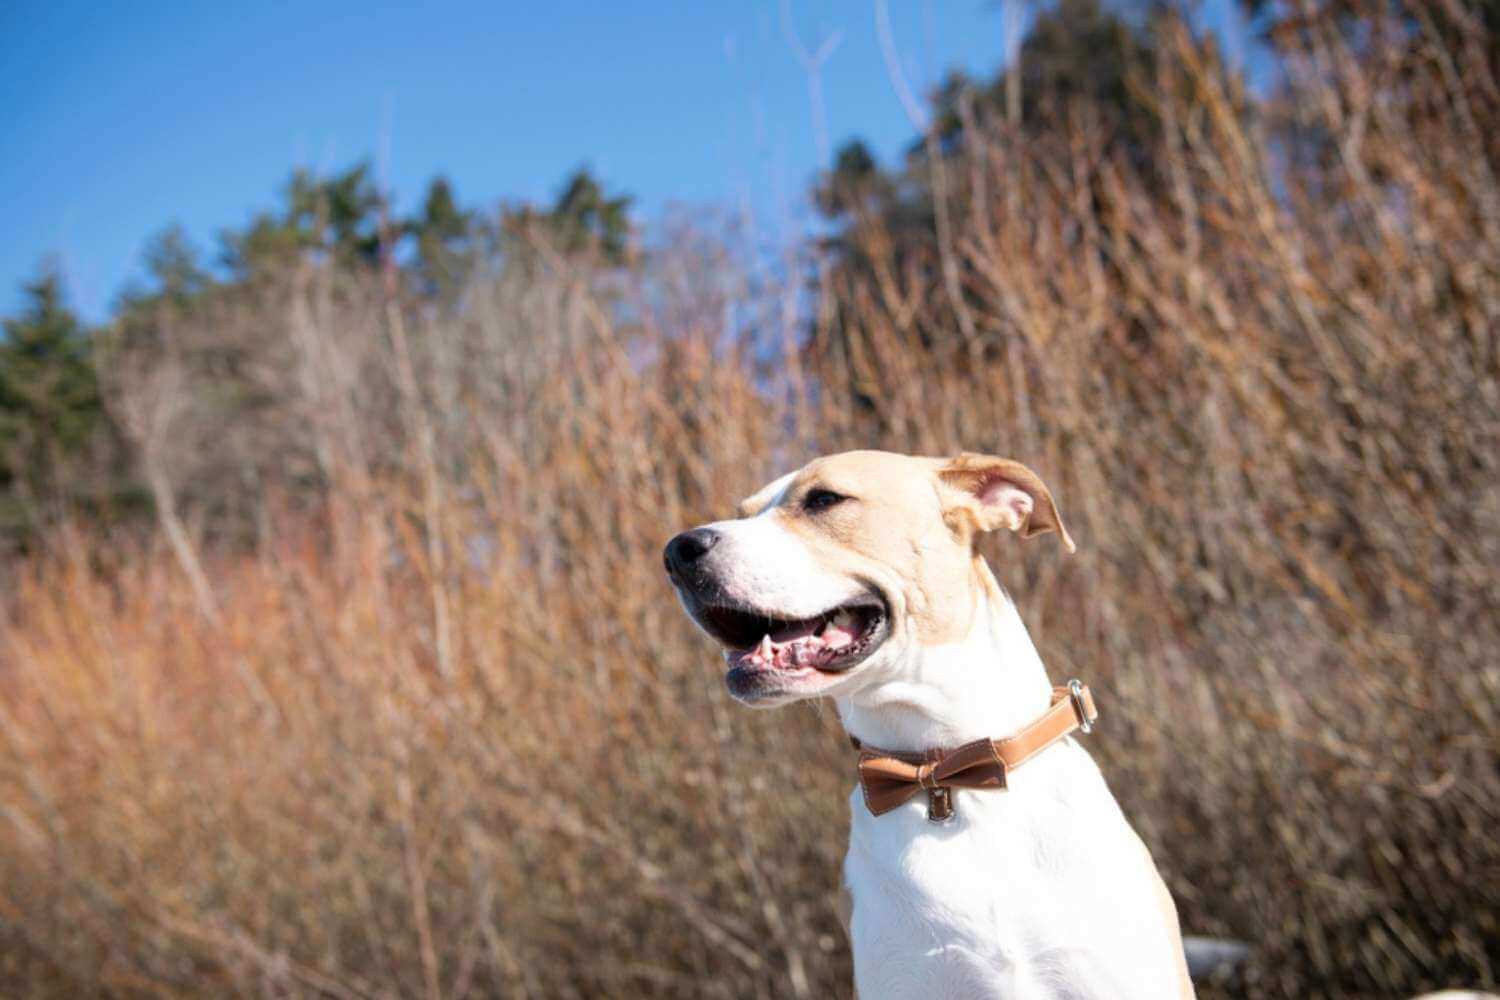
[(357, 363)]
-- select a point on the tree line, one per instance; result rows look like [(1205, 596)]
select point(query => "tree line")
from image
[(81, 421), (67, 444)]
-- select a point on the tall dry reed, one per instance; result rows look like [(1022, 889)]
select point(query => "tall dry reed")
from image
[(445, 732)]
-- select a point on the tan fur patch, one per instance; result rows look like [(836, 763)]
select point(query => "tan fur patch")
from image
[(904, 528)]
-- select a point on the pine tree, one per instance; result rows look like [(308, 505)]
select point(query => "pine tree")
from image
[(50, 408), (444, 235), (584, 216)]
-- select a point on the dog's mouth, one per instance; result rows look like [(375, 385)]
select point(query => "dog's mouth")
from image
[(832, 642)]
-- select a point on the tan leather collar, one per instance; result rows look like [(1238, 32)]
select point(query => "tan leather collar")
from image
[(890, 778)]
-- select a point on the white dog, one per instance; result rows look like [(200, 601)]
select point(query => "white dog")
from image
[(855, 578)]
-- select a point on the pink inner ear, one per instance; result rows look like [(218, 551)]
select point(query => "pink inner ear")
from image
[(1012, 503)]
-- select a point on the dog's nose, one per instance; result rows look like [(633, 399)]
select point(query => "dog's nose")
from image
[(688, 547)]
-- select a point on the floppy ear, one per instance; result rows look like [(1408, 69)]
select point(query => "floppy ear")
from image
[(988, 493)]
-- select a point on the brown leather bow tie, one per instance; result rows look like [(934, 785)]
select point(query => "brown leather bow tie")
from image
[(890, 778)]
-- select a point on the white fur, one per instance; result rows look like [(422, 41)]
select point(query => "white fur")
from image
[(1042, 890), (768, 567)]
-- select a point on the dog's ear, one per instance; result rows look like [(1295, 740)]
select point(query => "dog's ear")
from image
[(763, 497), (985, 493)]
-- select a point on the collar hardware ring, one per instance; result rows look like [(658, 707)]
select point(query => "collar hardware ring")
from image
[(1075, 694)]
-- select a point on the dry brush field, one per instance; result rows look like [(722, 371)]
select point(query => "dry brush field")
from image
[(443, 731)]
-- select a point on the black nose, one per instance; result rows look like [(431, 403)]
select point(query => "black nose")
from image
[(688, 547)]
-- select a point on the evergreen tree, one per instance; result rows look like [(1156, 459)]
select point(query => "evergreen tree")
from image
[(444, 235), (1077, 53), (341, 213), (583, 218), (1077, 66), (172, 261), (1083, 51), (338, 216), (855, 182), (50, 408)]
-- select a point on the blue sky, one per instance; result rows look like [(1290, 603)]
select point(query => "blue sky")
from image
[(118, 122)]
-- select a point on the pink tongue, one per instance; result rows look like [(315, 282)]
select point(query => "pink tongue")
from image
[(835, 636)]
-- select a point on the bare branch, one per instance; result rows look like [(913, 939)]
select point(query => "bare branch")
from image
[(914, 110), (812, 65)]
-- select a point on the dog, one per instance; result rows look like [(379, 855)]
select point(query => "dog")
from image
[(856, 578)]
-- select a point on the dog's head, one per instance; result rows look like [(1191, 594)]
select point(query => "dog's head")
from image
[(832, 574)]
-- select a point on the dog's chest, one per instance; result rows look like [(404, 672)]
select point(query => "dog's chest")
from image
[(981, 884), (994, 902)]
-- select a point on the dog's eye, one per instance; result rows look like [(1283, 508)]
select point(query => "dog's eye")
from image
[(821, 499)]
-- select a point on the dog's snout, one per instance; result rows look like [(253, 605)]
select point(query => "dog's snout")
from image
[(688, 547)]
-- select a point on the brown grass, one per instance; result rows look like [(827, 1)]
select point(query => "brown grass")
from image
[(449, 734)]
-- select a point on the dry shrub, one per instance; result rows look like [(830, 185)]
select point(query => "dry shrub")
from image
[(451, 735)]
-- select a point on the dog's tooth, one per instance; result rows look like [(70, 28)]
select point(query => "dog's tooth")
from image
[(767, 648)]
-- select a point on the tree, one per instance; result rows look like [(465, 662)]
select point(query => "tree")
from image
[(50, 410), (1078, 53), (582, 219), (1073, 82), (339, 216), (855, 182), (583, 216), (172, 262), (1082, 51), (444, 235)]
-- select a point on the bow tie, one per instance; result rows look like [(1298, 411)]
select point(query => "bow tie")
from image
[(890, 778)]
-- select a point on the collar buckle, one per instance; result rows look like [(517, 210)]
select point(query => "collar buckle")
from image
[(940, 805), (1075, 695)]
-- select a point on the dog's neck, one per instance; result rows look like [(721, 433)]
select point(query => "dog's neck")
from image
[(989, 684)]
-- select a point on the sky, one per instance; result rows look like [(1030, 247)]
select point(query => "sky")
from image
[(120, 119)]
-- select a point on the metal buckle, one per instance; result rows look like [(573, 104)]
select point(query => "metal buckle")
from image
[(1075, 692), (940, 805)]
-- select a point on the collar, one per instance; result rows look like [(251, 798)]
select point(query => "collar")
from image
[(889, 778)]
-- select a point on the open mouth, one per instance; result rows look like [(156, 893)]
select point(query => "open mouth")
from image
[(831, 642)]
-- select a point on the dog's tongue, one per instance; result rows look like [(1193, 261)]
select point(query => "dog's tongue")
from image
[(840, 632)]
